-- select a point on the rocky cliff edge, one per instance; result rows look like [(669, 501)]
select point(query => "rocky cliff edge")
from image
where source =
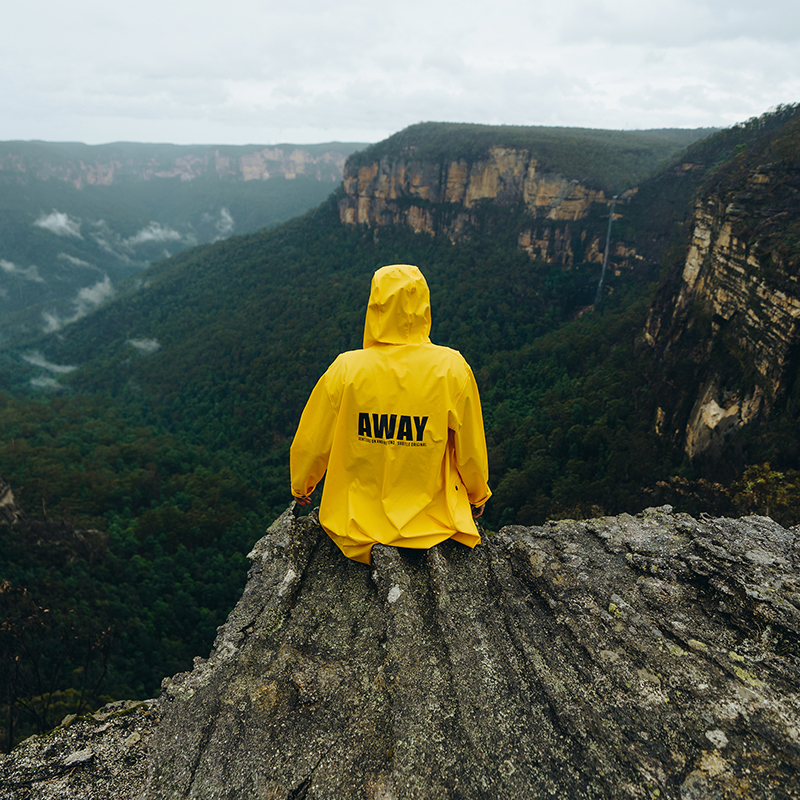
[(647, 656), (733, 313), (446, 197)]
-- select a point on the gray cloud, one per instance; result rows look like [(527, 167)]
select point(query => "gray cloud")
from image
[(30, 273), (678, 23), (45, 383), (154, 232), (108, 240), (60, 224), (91, 296), (77, 262), (224, 223), (52, 322), (86, 300), (145, 346), (124, 248), (38, 360)]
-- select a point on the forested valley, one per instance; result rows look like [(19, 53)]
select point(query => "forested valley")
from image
[(162, 425), (75, 219)]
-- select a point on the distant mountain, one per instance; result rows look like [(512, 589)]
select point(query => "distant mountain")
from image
[(75, 219)]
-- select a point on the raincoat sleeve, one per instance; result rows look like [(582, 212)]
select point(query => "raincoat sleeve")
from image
[(312, 443), (469, 443)]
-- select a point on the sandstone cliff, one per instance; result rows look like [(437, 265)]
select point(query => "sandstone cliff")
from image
[(647, 656), (733, 313), (447, 197)]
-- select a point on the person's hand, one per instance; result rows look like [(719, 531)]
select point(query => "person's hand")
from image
[(303, 501), (478, 510)]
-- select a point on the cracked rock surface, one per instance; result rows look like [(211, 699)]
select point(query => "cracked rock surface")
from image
[(634, 656)]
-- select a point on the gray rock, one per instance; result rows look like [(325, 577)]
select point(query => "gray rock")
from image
[(647, 656), (97, 757), (10, 512)]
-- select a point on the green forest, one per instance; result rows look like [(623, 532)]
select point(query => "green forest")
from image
[(167, 463)]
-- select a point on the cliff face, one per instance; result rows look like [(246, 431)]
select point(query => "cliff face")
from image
[(734, 312), (445, 198), (622, 657), (104, 164)]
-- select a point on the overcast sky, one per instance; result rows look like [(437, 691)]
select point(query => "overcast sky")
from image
[(261, 71)]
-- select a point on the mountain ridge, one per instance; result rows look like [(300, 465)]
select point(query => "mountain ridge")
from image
[(86, 165), (528, 282), (570, 151)]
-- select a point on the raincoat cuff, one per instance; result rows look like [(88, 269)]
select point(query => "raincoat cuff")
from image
[(481, 501)]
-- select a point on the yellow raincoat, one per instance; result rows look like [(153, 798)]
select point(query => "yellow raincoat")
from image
[(398, 427)]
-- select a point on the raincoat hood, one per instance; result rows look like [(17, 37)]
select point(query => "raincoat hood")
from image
[(399, 309)]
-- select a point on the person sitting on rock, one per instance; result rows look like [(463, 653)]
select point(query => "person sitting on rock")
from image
[(398, 427)]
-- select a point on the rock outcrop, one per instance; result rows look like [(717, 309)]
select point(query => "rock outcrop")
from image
[(734, 312), (10, 512), (97, 757), (446, 198), (505, 177), (647, 656)]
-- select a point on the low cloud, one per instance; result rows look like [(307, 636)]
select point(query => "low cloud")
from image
[(108, 240), (225, 223), (91, 296), (29, 273), (38, 360), (86, 300), (46, 383), (145, 346), (154, 232), (60, 224), (125, 248), (76, 262), (52, 322)]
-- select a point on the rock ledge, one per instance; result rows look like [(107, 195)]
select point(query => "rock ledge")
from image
[(643, 656)]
